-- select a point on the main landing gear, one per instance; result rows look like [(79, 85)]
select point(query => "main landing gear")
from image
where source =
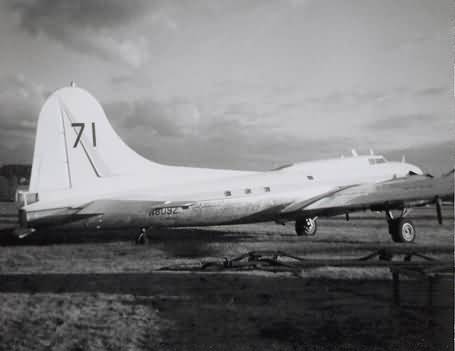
[(306, 226), (402, 230)]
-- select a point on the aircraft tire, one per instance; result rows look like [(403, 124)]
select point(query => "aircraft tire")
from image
[(402, 230), (306, 227)]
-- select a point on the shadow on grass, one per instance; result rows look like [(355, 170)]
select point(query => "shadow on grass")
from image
[(47, 237), (178, 242), (193, 242)]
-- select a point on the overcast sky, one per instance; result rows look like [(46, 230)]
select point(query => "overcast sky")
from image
[(238, 84)]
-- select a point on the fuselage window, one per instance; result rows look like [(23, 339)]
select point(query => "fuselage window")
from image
[(267, 189), (247, 191), (310, 177), (227, 193)]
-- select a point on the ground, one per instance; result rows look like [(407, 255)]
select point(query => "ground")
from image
[(100, 291)]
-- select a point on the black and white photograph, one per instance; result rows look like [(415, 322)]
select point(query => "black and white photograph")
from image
[(227, 175)]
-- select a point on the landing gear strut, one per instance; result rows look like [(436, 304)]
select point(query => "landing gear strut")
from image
[(402, 230), (306, 226), (142, 238)]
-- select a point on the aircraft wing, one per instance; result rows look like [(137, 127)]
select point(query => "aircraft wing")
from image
[(394, 194)]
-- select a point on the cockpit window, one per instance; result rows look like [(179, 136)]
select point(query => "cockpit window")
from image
[(376, 160)]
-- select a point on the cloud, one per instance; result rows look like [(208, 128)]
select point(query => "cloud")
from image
[(181, 132), (20, 102), (359, 97), (347, 98), (88, 26), (169, 119), (432, 91), (36, 14), (133, 32), (402, 121), (121, 79), (102, 44)]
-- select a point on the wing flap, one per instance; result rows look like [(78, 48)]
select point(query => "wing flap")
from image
[(298, 205)]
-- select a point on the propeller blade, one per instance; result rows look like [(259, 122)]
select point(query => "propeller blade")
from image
[(439, 209)]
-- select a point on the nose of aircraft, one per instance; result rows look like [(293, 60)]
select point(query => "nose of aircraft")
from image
[(402, 169), (412, 169)]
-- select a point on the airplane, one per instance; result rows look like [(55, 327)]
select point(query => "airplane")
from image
[(85, 177)]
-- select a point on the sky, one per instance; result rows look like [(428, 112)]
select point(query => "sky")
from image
[(239, 84)]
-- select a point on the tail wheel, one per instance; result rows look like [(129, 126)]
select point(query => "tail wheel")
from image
[(402, 230), (142, 238), (306, 226)]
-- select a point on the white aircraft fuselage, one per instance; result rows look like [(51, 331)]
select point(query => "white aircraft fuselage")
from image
[(85, 177)]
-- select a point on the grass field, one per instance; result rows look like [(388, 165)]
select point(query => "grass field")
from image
[(100, 291), (164, 311), (115, 251)]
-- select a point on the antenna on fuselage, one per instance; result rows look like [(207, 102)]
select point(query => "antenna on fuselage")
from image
[(403, 158)]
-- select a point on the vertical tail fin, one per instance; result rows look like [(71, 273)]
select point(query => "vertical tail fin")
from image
[(76, 145)]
